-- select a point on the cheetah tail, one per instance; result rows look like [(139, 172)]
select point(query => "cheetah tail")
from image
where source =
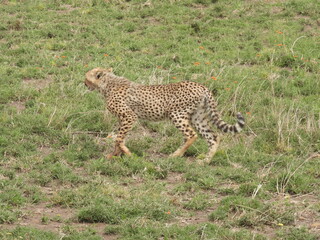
[(225, 127), (222, 125)]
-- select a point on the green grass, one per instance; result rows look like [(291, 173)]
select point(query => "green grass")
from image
[(258, 57)]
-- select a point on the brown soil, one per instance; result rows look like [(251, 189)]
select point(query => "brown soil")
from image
[(38, 84), (19, 105), (53, 218)]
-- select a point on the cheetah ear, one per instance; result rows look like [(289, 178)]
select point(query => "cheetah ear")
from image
[(110, 69)]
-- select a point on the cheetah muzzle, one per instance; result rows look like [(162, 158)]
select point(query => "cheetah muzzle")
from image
[(187, 104)]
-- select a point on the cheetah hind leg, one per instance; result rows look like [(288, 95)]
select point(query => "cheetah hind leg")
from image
[(200, 121), (212, 150), (180, 151)]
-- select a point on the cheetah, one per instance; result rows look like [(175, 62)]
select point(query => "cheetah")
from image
[(187, 104)]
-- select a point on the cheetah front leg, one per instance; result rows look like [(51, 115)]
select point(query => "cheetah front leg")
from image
[(182, 122), (126, 123)]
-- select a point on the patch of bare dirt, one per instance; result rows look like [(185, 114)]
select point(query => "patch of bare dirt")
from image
[(196, 218), (199, 6), (229, 185), (37, 84), (18, 105), (308, 28), (33, 216), (276, 10), (173, 179), (54, 219), (66, 9), (153, 21), (300, 16), (44, 151), (305, 213)]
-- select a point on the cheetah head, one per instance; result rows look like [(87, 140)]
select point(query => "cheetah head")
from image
[(94, 77)]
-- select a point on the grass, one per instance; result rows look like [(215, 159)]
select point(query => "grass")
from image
[(258, 57)]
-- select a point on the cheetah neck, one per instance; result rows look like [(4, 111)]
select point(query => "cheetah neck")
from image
[(111, 82)]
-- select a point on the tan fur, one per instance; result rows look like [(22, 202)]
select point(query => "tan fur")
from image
[(186, 104)]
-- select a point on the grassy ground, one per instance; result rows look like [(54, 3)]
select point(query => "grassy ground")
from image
[(258, 57)]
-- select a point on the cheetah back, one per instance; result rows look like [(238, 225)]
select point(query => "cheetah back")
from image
[(156, 102)]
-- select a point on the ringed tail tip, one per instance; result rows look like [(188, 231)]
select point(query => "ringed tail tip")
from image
[(241, 121)]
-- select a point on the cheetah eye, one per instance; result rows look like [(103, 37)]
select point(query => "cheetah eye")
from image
[(99, 75)]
